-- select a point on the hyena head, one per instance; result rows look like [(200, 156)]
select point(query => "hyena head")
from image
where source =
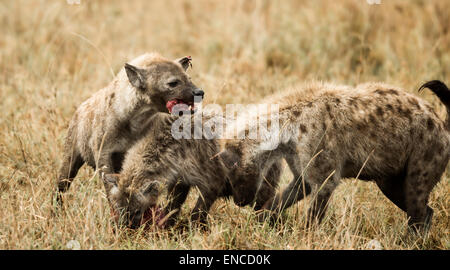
[(165, 83), (130, 206), (244, 176)]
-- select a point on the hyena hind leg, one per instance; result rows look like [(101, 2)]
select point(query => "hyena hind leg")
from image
[(417, 209), (177, 194), (204, 202), (69, 169), (319, 204)]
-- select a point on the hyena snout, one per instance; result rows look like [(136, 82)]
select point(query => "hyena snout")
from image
[(198, 93)]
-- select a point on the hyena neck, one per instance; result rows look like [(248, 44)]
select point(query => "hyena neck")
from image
[(128, 104)]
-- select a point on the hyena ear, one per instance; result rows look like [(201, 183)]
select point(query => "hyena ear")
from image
[(136, 76), (185, 62)]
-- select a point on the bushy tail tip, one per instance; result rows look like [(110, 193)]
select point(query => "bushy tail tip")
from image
[(443, 93)]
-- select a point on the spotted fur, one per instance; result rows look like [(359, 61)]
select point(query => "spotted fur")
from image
[(106, 125), (375, 132)]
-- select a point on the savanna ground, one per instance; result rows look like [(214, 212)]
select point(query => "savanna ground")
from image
[(54, 55)]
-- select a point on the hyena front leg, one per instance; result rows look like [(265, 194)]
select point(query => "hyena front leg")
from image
[(72, 162), (319, 204), (177, 194), (269, 183), (106, 160), (206, 199), (295, 191)]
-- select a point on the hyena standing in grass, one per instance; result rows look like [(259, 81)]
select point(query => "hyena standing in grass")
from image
[(106, 125), (372, 132), (160, 159), (180, 164)]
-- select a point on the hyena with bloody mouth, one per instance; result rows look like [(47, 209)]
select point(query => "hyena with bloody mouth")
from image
[(106, 125), (162, 159)]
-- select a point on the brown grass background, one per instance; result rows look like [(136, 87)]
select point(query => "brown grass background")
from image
[(54, 55)]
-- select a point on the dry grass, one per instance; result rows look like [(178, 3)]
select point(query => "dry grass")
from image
[(54, 55)]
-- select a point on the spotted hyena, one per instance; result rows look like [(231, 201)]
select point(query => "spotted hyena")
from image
[(106, 125), (372, 132), (160, 159)]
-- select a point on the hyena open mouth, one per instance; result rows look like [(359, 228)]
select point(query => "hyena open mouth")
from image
[(186, 106)]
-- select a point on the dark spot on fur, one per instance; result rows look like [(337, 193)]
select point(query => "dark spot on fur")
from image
[(314, 126), (389, 107), (393, 125), (429, 107), (420, 135), (309, 104), (380, 111), (372, 118), (296, 113), (414, 102), (361, 126), (363, 103), (430, 124), (324, 125), (328, 108), (380, 92), (111, 99), (392, 92), (405, 112), (124, 128), (303, 128), (337, 100)]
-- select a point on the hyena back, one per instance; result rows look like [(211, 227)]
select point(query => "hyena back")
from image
[(372, 132)]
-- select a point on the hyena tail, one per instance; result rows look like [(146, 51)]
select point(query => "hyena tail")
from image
[(443, 93)]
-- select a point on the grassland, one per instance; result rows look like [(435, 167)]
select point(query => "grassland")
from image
[(54, 55)]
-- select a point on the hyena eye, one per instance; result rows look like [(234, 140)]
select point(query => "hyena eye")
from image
[(173, 84)]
